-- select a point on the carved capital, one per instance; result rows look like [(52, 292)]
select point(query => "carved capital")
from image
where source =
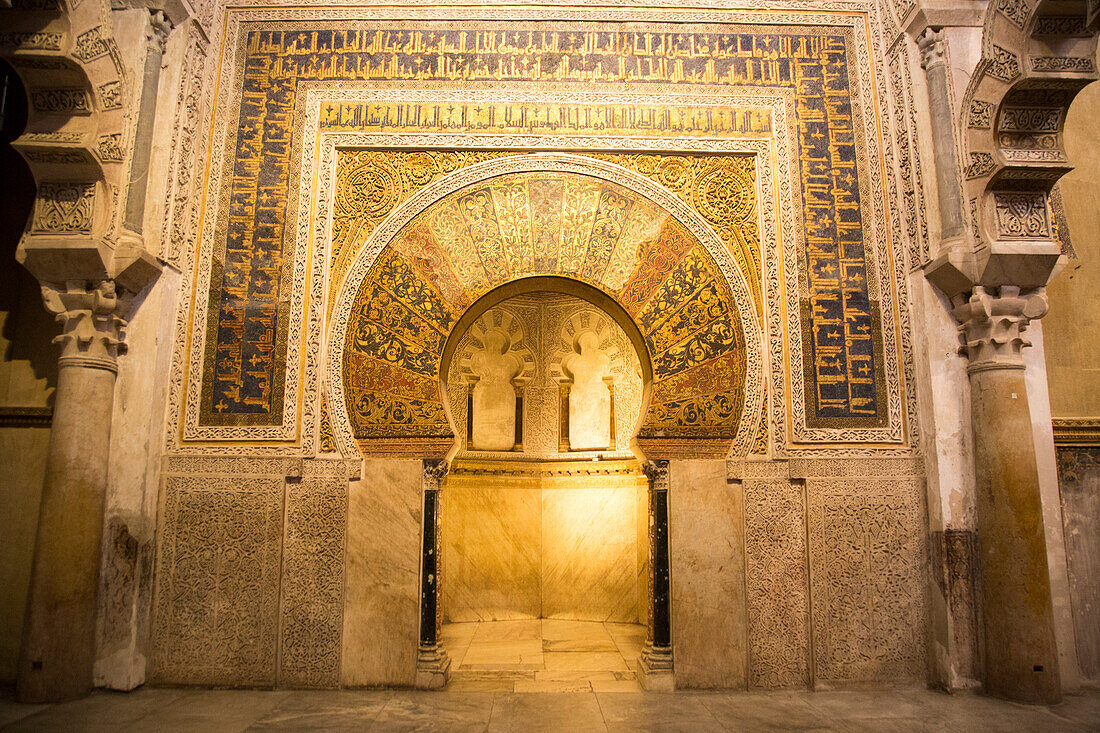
[(933, 48), (657, 472), (157, 34), (434, 471), (992, 325), (92, 330)]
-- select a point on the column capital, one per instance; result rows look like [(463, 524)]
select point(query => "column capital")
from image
[(434, 471), (657, 473), (933, 47), (92, 329), (992, 322), (159, 28)]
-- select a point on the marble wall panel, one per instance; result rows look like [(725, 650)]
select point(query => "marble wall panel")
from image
[(491, 545), (313, 577), (382, 585), (1079, 482), (589, 554), (217, 581), (531, 552), (777, 582), (707, 565), (867, 578), (19, 502)]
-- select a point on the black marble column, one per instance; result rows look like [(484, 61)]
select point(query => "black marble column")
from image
[(432, 663), (429, 573), (656, 660)]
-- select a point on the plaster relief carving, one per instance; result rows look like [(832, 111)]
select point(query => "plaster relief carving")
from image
[(217, 599), (32, 40), (589, 394), (312, 583), (1006, 65), (544, 328), (64, 207), (494, 397), (777, 580), (867, 554), (61, 101), (1022, 214)]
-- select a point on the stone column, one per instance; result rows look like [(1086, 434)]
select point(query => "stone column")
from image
[(155, 40), (933, 59), (1021, 657), (58, 651), (656, 660), (433, 665)]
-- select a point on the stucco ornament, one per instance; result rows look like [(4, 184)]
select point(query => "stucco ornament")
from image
[(494, 395), (589, 395)]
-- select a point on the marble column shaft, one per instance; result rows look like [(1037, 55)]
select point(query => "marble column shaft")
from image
[(1021, 657), (156, 38), (57, 655), (656, 660), (433, 665), (933, 48)]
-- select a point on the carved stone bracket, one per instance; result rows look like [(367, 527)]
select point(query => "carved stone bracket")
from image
[(993, 203), (92, 330), (992, 326)]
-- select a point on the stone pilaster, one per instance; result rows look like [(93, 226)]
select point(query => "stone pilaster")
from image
[(433, 665), (933, 59), (155, 39), (656, 659), (58, 651), (1021, 658)]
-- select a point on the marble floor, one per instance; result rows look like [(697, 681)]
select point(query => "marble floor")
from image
[(215, 711), (543, 655)]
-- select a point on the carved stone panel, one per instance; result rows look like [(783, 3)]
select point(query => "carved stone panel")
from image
[(543, 331), (494, 396), (1079, 484), (867, 559), (217, 595), (589, 395), (776, 575), (313, 577)]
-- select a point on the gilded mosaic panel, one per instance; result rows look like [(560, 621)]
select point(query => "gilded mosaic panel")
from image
[(688, 317), (245, 357)]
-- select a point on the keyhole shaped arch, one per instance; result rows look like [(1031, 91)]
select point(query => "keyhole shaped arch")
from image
[(473, 232)]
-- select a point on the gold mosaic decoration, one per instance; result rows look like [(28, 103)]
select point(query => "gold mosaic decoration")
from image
[(370, 183), (526, 224), (721, 188)]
